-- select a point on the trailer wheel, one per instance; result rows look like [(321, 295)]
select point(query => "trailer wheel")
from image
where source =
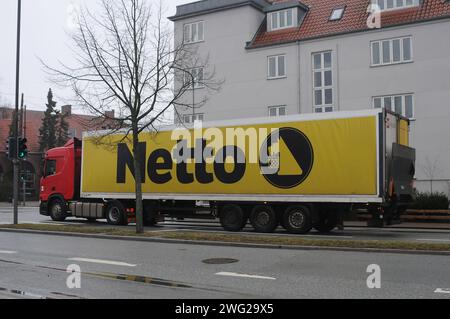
[(297, 220), (57, 210), (115, 213), (328, 221), (232, 218), (264, 219)]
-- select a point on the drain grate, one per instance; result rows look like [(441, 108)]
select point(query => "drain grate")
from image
[(220, 261)]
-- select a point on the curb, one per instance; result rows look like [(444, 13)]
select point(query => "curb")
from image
[(229, 244)]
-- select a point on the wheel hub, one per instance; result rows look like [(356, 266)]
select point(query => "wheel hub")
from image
[(263, 218), (296, 219)]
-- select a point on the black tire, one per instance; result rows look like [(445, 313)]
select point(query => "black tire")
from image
[(57, 210), (116, 214), (297, 220), (328, 221), (232, 218), (264, 219), (150, 214)]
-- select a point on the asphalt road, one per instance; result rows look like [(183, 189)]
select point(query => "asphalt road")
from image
[(31, 215), (34, 266)]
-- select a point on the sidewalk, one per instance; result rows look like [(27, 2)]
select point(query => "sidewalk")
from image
[(28, 204)]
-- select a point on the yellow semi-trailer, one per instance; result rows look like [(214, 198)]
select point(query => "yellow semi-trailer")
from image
[(299, 172)]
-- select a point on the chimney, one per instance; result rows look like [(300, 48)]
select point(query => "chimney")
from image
[(66, 110), (109, 114)]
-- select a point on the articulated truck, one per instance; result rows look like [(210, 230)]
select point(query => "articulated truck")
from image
[(298, 172)]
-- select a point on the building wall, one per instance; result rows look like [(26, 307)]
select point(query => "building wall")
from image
[(426, 77), (246, 91)]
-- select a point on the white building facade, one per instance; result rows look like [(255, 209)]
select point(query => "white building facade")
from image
[(290, 57)]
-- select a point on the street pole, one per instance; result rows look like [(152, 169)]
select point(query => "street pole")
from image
[(16, 124)]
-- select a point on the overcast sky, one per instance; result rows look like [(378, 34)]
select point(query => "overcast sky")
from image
[(45, 24)]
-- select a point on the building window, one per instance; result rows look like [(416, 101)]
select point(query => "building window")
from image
[(281, 19), (276, 67), (196, 74), (275, 111), (337, 14), (194, 32), (323, 82), (391, 51), (191, 119), (395, 4), (400, 104)]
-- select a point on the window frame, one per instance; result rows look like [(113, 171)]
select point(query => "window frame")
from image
[(270, 19), (392, 98), (277, 64), (323, 88), (188, 78), (342, 8), (391, 51), (191, 118), (415, 3), (190, 40), (277, 108)]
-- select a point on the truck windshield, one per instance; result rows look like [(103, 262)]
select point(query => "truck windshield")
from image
[(50, 168)]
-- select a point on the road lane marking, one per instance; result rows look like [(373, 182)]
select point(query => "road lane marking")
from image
[(232, 274), (442, 291), (8, 252), (435, 240), (101, 261)]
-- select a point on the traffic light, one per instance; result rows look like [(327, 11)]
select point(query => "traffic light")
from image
[(23, 149), (11, 148)]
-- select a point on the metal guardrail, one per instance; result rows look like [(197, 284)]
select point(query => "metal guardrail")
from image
[(417, 215)]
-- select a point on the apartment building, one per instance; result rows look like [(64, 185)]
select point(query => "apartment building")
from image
[(279, 58)]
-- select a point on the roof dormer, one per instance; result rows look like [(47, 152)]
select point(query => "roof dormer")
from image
[(284, 15), (386, 5)]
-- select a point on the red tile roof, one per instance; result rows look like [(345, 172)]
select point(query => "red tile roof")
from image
[(316, 23), (80, 123)]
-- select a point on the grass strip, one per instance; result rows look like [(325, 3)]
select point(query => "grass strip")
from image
[(240, 238)]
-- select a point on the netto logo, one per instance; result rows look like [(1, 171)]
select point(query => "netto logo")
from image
[(294, 162), (285, 158)]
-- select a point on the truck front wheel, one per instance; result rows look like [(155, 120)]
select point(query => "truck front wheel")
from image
[(297, 220), (57, 210), (115, 214), (264, 219), (232, 218)]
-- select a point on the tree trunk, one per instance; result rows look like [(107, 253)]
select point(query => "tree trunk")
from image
[(138, 184)]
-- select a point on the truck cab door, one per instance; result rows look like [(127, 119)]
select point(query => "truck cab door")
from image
[(52, 181)]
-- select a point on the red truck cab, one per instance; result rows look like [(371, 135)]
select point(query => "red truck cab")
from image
[(60, 182)]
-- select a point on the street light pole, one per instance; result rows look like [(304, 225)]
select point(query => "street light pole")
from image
[(16, 124)]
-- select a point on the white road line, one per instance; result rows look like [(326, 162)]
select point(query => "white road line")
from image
[(232, 274), (435, 240), (442, 291), (100, 261), (8, 252)]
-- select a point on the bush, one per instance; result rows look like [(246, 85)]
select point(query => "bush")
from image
[(438, 201)]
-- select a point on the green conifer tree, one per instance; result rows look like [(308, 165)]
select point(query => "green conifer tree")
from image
[(47, 132)]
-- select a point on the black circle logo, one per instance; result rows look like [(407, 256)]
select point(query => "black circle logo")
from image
[(292, 163)]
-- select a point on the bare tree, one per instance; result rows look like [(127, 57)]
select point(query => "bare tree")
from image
[(430, 169), (126, 61)]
